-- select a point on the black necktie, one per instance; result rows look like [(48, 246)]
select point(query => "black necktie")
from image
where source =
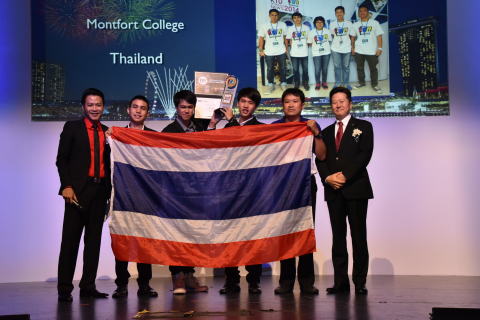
[(96, 151)]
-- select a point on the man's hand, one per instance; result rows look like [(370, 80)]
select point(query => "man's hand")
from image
[(213, 122), (336, 180), (69, 195), (228, 113), (108, 133), (340, 177), (262, 53), (378, 52), (312, 125)]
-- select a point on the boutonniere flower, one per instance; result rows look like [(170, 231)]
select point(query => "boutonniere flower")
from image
[(356, 134)]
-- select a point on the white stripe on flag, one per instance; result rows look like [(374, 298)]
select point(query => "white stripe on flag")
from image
[(221, 159), (211, 231)]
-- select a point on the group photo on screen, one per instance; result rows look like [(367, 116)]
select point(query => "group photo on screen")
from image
[(389, 60)]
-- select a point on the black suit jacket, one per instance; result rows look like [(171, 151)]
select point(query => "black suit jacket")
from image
[(148, 129), (175, 127), (351, 159), (145, 128), (250, 122), (73, 157)]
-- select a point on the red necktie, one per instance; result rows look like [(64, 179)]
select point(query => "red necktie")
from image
[(339, 136)]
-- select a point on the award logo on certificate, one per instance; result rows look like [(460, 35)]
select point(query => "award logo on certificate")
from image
[(213, 90)]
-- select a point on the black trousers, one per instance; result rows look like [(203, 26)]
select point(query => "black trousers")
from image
[(93, 199), (372, 61), (144, 274), (232, 274), (355, 211), (177, 269), (306, 270)]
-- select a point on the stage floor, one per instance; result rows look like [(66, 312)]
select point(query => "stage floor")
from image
[(390, 297)]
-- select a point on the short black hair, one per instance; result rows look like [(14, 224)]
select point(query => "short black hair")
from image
[(294, 92), (297, 14), (347, 92), (250, 93), (363, 6), (320, 18), (186, 95), (92, 92), (273, 10), (139, 97), (340, 8)]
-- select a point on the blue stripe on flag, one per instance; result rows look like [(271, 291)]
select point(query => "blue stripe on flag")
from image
[(212, 195)]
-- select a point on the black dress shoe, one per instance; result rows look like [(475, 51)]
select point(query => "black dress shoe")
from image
[(309, 290), (361, 291), (338, 290), (120, 292), (254, 288), (92, 294), (65, 297), (229, 289), (282, 289), (147, 292)]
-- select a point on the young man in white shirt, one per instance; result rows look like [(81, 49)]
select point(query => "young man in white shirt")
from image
[(319, 39), (341, 47), (367, 46), (272, 46), (297, 40)]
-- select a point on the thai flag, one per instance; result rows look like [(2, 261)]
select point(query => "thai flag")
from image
[(230, 197)]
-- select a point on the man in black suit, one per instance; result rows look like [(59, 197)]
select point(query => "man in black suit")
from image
[(83, 163), (248, 100), (137, 109), (185, 101), (347, 187)]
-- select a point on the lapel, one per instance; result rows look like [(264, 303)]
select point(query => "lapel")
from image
[(330, 137), (84, 134), (347, 134)]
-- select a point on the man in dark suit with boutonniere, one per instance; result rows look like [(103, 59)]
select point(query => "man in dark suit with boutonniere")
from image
[(349, 143), (83, 163)]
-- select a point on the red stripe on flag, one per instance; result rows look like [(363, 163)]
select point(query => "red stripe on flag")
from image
[(242, 253), (224, 138)]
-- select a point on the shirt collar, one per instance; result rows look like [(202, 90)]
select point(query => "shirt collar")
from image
[(128, 126), (190, 128), (282, 120), (243, 123), (89, 123), (344, 120)]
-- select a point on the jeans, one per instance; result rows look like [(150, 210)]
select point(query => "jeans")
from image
[(372, 61), (281, 63), (296, 61), (341, 63), (321, 68)]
